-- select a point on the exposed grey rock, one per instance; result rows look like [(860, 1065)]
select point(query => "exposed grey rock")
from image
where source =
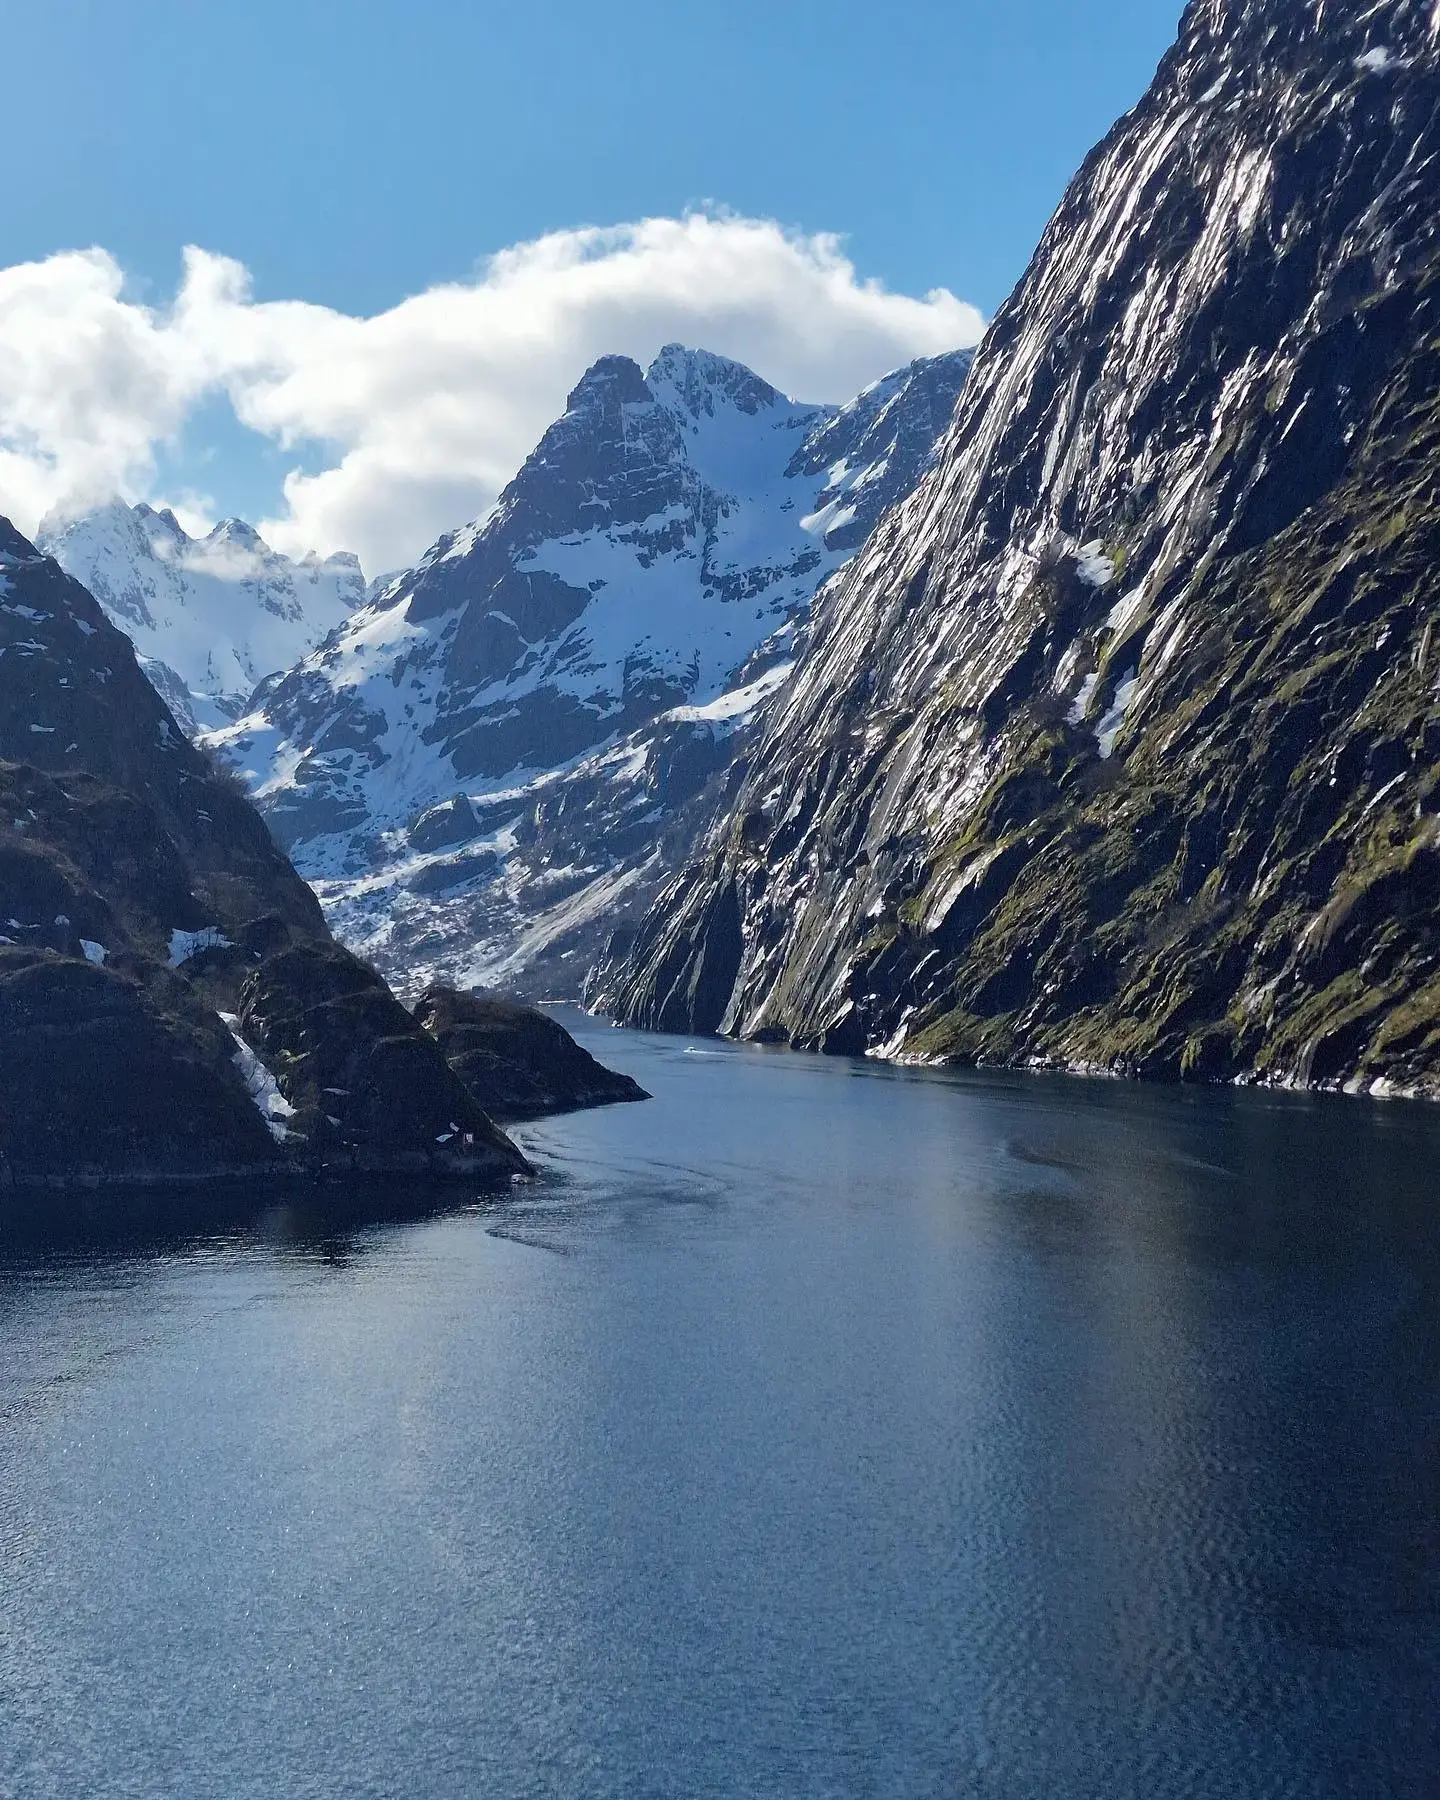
[(1128, 708), (516, 1060), (452, 821)]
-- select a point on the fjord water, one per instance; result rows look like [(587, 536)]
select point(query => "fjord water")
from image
[(813, 1429)]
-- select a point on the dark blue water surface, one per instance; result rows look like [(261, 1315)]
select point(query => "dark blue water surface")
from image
[(816, 1429)]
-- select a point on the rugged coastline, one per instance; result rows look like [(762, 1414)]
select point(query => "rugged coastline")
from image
[(174, 1011)]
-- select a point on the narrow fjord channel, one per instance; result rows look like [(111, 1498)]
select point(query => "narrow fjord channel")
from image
[(815, 1429)]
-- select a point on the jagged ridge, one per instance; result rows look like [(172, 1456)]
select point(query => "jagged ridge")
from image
[(515, 743), (210, 618), (1115, 747)]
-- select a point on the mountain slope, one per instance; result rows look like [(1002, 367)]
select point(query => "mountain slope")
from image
[(211, 617), (172, 1006), (516, 738), (1117, 745)]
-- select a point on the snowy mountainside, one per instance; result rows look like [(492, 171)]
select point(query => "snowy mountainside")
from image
[(658, 551), (211, 617), (521, 889), (1117, 745), (665, 526)]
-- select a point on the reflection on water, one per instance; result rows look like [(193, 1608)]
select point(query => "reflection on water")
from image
[(816, 1429)]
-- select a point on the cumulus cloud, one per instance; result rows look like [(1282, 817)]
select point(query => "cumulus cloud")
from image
[(88, 383), (412, 420)]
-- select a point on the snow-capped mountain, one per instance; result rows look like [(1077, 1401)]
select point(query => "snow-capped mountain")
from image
[(210, 617), (1118, 744), (658, 552)]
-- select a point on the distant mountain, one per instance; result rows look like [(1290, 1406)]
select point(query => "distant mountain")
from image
[(210, 617), (1118, 746), (510, 740), (515, 741)]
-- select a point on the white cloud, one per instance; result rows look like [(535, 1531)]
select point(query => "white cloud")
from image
[(87, 382), (419, 415)]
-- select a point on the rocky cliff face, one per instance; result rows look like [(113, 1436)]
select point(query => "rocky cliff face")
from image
[(172, 1005), (517, 741), (515, 1060), (210, 617), (1118, 745)]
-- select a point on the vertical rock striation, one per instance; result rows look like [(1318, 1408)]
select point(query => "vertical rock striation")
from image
[(1118, 745)]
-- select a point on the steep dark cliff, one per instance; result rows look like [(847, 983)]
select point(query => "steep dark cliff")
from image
[(1119, 744), (172, 1005), (518, 1062)]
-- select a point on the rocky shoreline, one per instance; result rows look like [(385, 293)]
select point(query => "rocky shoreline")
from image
[(174, 1011)]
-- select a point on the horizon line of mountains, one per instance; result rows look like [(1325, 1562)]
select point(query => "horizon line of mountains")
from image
[(485, 763), (1076, 709)]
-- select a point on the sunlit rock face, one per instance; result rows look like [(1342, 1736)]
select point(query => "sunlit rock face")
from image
[(513, 745), (1115, 746)]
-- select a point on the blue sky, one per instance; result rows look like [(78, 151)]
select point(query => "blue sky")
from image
[(352, 155)]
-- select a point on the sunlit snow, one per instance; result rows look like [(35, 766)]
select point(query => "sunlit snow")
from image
[(1095, 568), (270, 1103), (185, 944), (215, 614), (1108, 729)]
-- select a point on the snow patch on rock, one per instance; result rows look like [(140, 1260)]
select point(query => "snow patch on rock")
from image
[(1095, 568), (1076, 715), (264, 1090), (1108, 729), (737, 703), (185, 944)]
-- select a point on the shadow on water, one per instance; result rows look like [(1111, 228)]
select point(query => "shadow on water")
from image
[(317, 1221)]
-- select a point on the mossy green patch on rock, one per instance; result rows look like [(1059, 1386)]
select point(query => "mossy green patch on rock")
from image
[(1167, 812), (1267, 831)]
